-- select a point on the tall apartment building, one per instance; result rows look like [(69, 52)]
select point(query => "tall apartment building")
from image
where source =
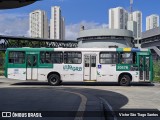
[(152, 21), (38, 24), (57, 24), (137, 17), (118, 18)]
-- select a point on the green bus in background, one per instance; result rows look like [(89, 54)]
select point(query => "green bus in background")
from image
[(56, 65)]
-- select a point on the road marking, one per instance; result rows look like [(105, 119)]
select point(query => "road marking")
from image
[(110, 107), (82, 105)]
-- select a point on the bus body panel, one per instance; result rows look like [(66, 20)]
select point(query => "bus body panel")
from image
[(17, 73), (107, 73)]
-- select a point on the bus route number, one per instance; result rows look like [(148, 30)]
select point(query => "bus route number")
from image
[(122, 67)]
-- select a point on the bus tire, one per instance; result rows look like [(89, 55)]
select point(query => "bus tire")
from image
[(54, 79), (125, 80)]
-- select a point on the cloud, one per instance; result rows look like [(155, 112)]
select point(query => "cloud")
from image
[(72, 30), (18, 25), (14, 24)]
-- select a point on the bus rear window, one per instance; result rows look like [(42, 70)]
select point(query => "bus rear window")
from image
[(17, 57)]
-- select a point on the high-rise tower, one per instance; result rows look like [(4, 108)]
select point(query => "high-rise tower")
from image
[(118, 18), (57, 24), (38, 24), (152, 21)]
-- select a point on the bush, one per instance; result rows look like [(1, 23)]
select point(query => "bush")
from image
[(156, 67)]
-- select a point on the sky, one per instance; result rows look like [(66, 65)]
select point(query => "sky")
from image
[(90, 13)]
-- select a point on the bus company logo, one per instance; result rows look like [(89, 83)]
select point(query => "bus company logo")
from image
[(70, 67)]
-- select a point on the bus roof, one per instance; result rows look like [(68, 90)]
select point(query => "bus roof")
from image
[(79, 49)]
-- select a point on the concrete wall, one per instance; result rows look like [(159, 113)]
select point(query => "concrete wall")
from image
[(96, 38)]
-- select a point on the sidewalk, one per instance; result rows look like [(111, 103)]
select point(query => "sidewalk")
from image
[(2, 77)]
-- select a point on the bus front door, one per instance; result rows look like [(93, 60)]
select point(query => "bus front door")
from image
[(90, 69), (32, 64), (144, 68)]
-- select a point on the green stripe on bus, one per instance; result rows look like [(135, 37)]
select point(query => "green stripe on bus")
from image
[(119, 49), (6, 64)]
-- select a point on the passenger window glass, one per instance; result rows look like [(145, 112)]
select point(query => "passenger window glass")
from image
[(72, 57), (51, 57), (86, 61), (57, 57), (108, 58), (93, 61), (17, 57), (127, 58)]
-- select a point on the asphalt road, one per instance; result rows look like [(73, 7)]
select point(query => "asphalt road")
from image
[(79, 101)]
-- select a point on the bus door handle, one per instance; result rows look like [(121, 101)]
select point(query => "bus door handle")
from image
[(71, 74), (113, 65), (110, 75)]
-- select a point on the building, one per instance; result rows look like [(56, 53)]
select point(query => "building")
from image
[(137, 17), (118, 18), (38, 24), (132, 26), (62, 28), (105, 38), (152, 21), (151, 39), (135, 24), (57, 24)]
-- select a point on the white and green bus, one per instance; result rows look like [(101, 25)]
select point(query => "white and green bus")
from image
[(56, 65)]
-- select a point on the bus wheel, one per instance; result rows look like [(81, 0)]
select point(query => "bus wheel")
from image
[(54, 79), (125, 80)]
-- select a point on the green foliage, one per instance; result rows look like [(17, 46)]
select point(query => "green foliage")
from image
[(156, 67), (157, 79), (2, 58)]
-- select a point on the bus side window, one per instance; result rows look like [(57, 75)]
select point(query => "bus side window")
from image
[(108, 58), (72, 57), (17, 57), (45, 57), (127, 58), (57, 57)]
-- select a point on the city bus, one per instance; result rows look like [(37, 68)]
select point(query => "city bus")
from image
[(56, 65)]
